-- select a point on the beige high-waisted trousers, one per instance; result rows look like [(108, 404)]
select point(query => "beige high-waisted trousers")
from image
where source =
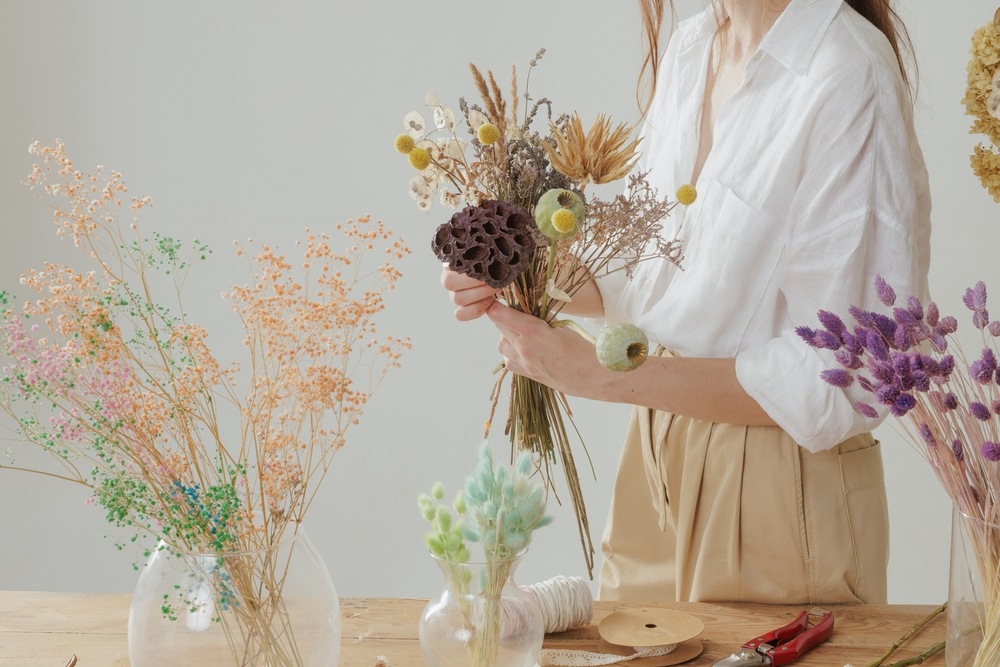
[(717, 512)]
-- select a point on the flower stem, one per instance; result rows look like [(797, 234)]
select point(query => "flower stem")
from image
[(902, 640)]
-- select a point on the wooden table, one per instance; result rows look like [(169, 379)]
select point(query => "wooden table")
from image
[(47, 629)]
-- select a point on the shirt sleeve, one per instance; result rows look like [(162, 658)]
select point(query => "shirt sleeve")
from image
[(861, 209)]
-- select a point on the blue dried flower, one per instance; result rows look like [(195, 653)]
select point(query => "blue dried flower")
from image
[(837, 377), (990, 451), (979, 411), (885, 293)]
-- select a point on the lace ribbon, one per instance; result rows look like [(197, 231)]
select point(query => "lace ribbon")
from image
[(565, 658)]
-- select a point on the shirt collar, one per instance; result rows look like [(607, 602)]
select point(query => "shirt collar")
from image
[(796, 35), (792, 40)]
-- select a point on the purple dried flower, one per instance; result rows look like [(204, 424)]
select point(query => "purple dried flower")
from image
[(901, 363), (903, 339), (905, 318), (903, 404), (947, 325), (832, 322), (885, 293), (826, 340), (885, 325), (990, 450), (927, 435), (995, 406), (882, 372), (875, 344), (939, 343), (933, 314), (807, 335), (950, 401), (975, 297), (994, 328), (958, 450), (979, 411), (887, 394), (982, 369), (866, 384), (866, 410), (838, 377), (915, 307), (848, 359), (981, 318), (864, 318), (921, 381), (851, 343), (946, 365)]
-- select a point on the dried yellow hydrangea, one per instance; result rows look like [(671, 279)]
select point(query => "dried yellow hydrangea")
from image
[(981, 97)]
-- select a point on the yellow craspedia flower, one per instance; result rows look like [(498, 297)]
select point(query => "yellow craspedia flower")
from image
[(404, 144), (563, 221), (488, 134), (420, 159), (686, 194)]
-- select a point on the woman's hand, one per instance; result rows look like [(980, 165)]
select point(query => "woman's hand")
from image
[(554, 356), (472, 296)]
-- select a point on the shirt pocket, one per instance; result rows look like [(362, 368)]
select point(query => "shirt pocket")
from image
[(729, 281)]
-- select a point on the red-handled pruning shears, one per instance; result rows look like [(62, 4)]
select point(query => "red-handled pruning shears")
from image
[(784, 645)]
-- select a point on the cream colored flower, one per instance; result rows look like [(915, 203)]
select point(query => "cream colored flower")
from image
[(599, 156)]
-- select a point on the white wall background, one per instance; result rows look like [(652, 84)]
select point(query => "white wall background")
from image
[(258, 118)]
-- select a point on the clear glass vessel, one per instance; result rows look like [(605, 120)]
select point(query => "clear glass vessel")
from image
[(273, 607)]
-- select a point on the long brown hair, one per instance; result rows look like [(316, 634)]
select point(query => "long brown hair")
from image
[(879, 13)]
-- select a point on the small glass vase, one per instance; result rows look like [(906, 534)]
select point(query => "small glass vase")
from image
[(973, 636), (481, 619), (273, 607)]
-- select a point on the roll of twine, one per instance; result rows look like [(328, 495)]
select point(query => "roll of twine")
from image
[(565, 603)]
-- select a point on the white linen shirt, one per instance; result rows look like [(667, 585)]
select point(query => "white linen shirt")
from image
[(814, 184)]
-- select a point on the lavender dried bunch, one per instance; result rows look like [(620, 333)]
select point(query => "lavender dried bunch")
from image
[(912, 366)]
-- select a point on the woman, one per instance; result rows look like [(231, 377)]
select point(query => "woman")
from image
[(744, 477)]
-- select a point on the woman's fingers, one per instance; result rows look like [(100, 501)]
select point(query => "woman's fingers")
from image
[(473, 297)]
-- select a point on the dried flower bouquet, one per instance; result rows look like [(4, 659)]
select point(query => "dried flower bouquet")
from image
[(105, 374), (910, 364), (529, 229)]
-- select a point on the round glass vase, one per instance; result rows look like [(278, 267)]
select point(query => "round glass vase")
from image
[(272, 607), (481, 619), (973, 636)]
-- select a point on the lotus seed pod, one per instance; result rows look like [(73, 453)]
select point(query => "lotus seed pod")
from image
[(622, 347), (491, 242), (553, 202)]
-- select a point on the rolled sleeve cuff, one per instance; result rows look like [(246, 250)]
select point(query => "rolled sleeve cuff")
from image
[(783, 376)]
